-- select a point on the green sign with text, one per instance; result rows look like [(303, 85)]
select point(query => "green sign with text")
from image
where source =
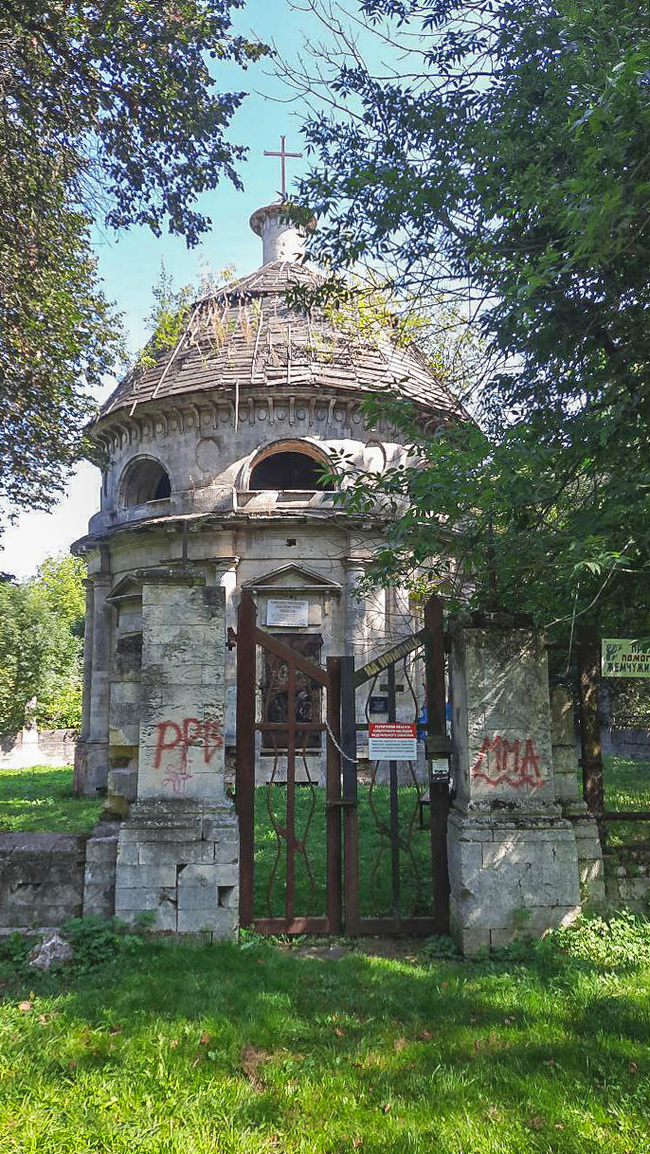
[(623, 657)]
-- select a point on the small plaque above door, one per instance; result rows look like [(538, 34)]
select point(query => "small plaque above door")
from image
[(284, 611), (378, 704)]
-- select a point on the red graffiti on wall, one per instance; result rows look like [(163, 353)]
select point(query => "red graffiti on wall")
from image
[(500, 761), (173, 735)]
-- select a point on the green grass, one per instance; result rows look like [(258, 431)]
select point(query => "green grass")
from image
[(42, 798), (262, 1050), (627, 786), (374, 860)]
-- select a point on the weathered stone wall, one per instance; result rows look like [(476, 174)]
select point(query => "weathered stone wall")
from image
[(53, 747), (627, 878), (41, 878)]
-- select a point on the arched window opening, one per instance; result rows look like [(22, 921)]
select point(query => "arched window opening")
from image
[(288, 470), (146, 480)]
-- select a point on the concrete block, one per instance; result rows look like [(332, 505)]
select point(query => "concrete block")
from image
[(175, 853), (135, 899), (221, 922), (127, 852), (125, 782), (226, 852), (135, 876), (222, 825), (199, 876)]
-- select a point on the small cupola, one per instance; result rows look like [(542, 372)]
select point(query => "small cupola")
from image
[(281, 240)]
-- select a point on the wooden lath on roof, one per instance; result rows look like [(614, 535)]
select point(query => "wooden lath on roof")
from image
[(246, 336)]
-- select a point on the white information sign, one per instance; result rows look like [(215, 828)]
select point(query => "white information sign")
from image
[(392, 741), (625, 658), (286, 612)]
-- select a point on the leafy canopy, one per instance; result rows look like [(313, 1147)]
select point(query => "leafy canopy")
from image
[(41, 644), (505, 166), (109, 114)]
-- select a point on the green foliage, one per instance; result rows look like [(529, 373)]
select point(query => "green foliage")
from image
[(509, 173), (618, 941), (43, 798), (109, 115), (170, 311), (41, 644), (98, 942), (14, 949)]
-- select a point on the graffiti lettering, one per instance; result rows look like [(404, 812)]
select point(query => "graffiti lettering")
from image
[(501, 761), (180, 737)]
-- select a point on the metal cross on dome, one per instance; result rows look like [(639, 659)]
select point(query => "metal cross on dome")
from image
[(283, 154)]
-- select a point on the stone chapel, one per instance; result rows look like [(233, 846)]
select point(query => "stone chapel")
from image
[(217, 516), (214, 461)]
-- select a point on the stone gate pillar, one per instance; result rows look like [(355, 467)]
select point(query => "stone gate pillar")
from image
[(178, 852), (512, 856), (91, 754)]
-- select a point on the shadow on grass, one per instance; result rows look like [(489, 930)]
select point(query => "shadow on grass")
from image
[(243, 1045)]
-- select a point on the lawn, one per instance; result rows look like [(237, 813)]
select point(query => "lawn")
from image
[(627, 786), (42, 798), (264, 1049)]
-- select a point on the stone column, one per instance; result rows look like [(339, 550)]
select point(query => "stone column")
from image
[(512, 856), (226, 575), (568, 793), (355, 640), (91, 758), (88, 660), (178, 851)]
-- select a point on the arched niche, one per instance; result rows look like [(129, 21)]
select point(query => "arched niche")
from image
[(143, 480), (288, 465)]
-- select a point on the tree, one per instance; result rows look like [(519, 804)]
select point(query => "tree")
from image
[(504, 163), (41, 645), (109, 114)]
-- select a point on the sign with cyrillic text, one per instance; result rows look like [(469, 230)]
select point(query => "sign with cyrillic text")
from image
[(625, 658), (392, 741)]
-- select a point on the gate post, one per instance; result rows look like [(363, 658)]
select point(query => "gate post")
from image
[(350, 812), (512, 855), (245, 753), (333, 796), (437, 743), (590, 747)]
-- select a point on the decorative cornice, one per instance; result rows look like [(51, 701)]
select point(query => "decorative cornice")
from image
[(197, 415)]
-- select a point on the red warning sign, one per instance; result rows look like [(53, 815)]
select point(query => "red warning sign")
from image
[(392, 741)]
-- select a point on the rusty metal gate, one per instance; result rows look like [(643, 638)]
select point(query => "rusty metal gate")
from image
[(398, 841), (309, 842), (279, 698)]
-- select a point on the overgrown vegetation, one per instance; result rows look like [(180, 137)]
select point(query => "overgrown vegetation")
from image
[(317, 1050), (170, 310)]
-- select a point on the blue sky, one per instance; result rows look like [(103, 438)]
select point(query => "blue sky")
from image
[(129, 265)]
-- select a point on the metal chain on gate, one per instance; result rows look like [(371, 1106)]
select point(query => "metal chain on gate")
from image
[(354, 760)]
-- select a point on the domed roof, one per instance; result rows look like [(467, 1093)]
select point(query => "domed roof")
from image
[(245, 338)]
